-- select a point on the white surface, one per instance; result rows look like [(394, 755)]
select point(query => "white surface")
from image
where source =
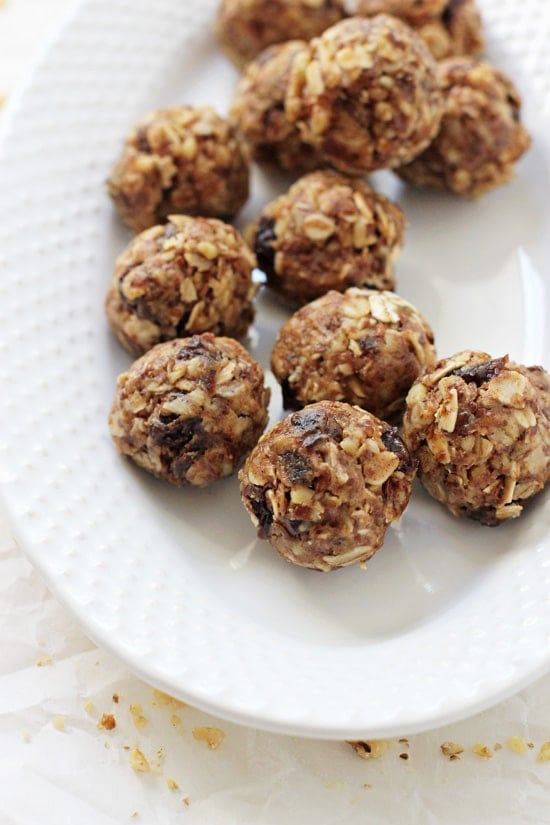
[(448, 618), (64, 775)]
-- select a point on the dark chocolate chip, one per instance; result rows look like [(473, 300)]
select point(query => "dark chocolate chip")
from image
[(262, 512), (297, 467), (449, 12), (263, 244), (392, 442)]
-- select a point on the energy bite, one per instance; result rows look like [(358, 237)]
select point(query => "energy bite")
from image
[(481, 136), (458, 30), (327, 232), (245, 27), (365, 94), (257, 110), (323, 484), (190, 410), (480, 427), (448, 27), (183, 160), (187, 276), (363, 346)]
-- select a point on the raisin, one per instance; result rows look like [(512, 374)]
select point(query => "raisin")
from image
[(297, 467), (449, 12), (262, 513), (479, 374), (392, 442), (263, 244)]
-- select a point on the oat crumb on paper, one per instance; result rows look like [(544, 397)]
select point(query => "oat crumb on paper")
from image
[(139, 719), (544, 752), (452, 750), (517, 744), (212, 736), (161, 699), (44, 660), (172, 784), (138, 761), (107, 722), (497, 746), (483, 751), (89, 707), (58, 722), (2, 97), (185, 800), (116, 698), (369, 749), (177, 724), (26, 736), (404, 755)]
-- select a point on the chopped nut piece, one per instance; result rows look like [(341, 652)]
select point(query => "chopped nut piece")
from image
[(138, 761), (212, 736), (107, 722), (517, 744), (484, 751), (137, 713), (544, 752), (44, 660), (369, 748), (451, 749)]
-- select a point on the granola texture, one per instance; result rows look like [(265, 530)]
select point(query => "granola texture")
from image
[(182, 160), (187, 276), (363, 346), (480, 427), (481, 136), (448, 27), (365, 93), (323, 484), (190, 409), (245, 27), (458, 30), (329, 231), (257, 110)]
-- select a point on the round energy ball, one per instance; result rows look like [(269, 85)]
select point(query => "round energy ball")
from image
[(480, 427), (363, 346), (448, 27), (245, 27), (323, 484), (190, 410), (481, 136), (187, 276), (413, 12), (183, 160), (257, 110), (365, 94), (327, 232), (458, 30)]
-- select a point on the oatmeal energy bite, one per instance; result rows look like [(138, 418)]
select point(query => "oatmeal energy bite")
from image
[(246, 27), (365, 94), (183, 160), (481, 136), (363, 346), (323, 484), (480, 427), (187, 276), (448, 27), (257, 111), (190, 410), (329, 231)]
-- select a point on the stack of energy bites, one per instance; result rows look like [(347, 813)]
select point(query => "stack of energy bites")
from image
[(328, 97)]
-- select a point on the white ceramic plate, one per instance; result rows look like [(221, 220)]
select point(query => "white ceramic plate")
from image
[(450, 616)]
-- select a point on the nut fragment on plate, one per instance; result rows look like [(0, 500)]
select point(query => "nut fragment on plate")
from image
[(190, 409), (245, 27), (181, 160), (448, 27), (329, 231), (363, 346), (257, 111), (190, 275), (323, 484), (365, 93), (480, 428), (481, 137)]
